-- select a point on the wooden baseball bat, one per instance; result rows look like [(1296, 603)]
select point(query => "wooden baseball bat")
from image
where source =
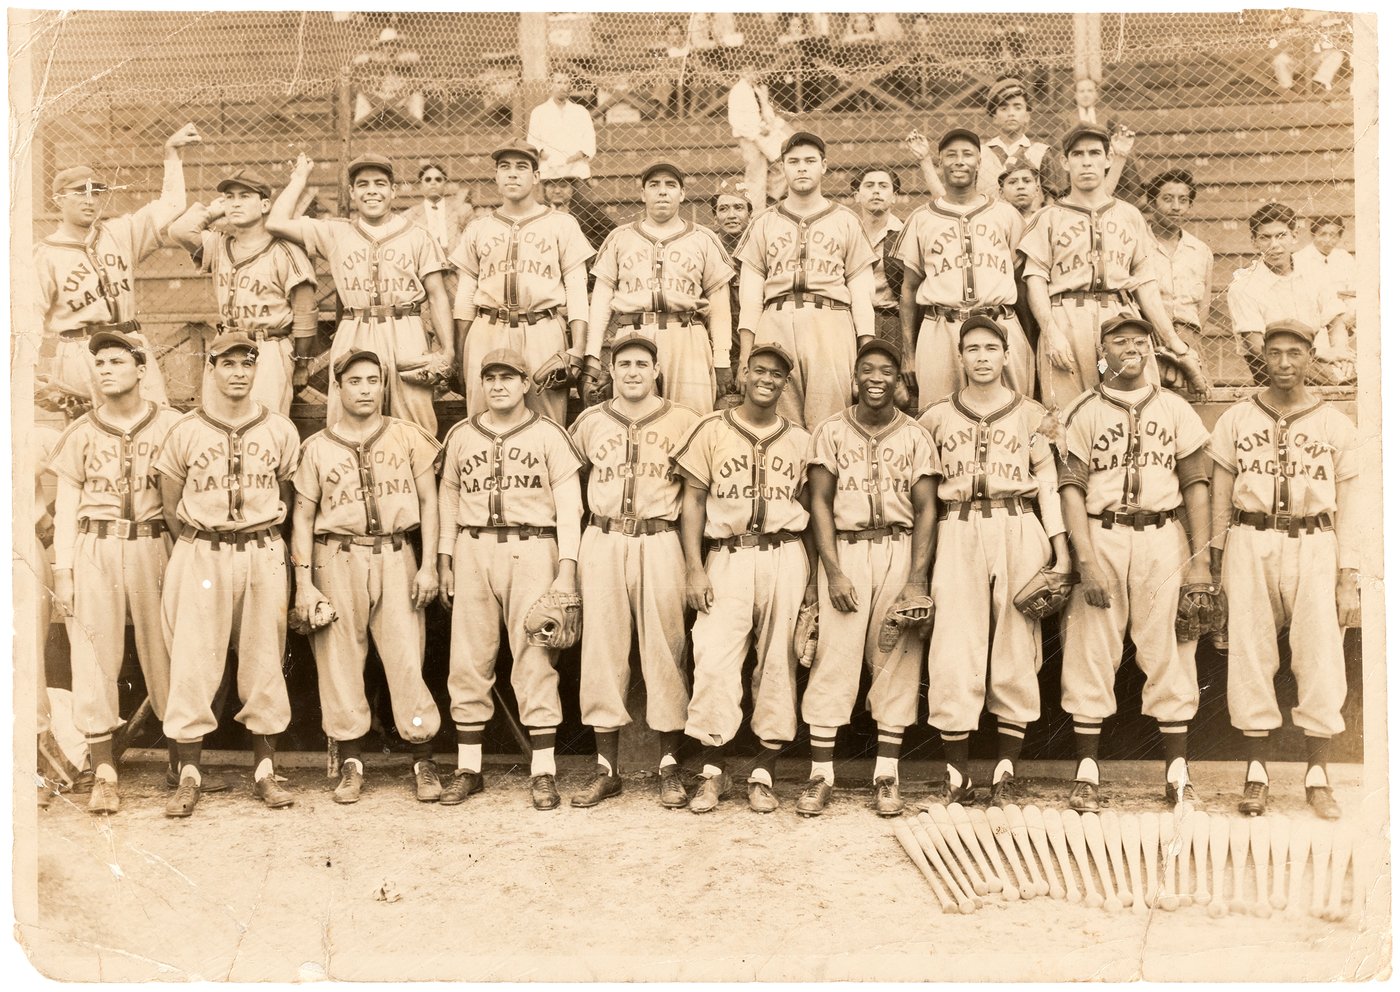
[(1259, 851), (1055, 832), (1321, 852), (1200, 845), (1094, 841), (925, 828), (1219, 854), (968, 833), (1278, 854), (1001, 830), (1113, 841), (1171, 848), (1299, 843), (1128, 827), (939, 815), (1074, 834), (1185, 837), (1021, 835), (964, 902), (1035, 827), (1151, 852), (983, 829), (1239, 852), (910, 843), (1342, 844)]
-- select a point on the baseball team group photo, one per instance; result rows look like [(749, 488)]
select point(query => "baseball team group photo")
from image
[(697, 497)]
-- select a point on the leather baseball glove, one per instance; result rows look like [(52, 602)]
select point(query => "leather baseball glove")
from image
[(1200, 610), (559, 371), (555, 620), (804, 638), (1182, 372), (304, 622), (1045, 594), (913, 614), (56, 397), (436, 372)]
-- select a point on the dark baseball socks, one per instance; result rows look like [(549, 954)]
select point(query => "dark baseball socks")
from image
[(103, 759), (469, 747), (1174, 752), (541, 751), (1318, 749), (1256, 756), (823, 743), (889, 741), (765, 763), (955, 757), (1087, 733), (1011, 737), (264, 747), (606, 742)]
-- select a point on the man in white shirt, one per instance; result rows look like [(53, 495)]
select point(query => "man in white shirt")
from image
[(1182, 261), (1336, 262), (761, 134), (563, 132)]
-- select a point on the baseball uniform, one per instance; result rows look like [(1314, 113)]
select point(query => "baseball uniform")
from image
[(379, 275), (1281, 573), (514, 275), (227, 577), (806, 263), (993, 470), (657, 286), (36, 563), (964, 261), (1092, 262), (497, 515), (874, 513), (631, 568), (758, 569), (119, 555), (1131, 443), (362, 561)]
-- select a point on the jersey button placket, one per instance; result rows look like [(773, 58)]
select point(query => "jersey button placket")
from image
[(235, 466), (496, 504), (760, 475)]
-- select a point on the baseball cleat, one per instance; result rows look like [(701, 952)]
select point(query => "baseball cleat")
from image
[(599, 787), (104, 798), (1255, 800), (209, 781), (814, 798), (1176, 796), (761, 798), (352, 780), (673, 795), (83, 783), (712, 789), (271, 792), (940, 796), (964, 794), (184, 801), (543, 793), (887, 799), (427, 781), (1323, 803), (462, 784), (1005, 791), (1084, 797)]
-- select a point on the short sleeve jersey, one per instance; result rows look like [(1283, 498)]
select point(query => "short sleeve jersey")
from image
[(383, 266), (1104, 249), (522, 263), (632, 471), (1132, 448), (1285, 464), (672, 274), (815, 254), (753, 481), (365, 487), (230, 474), (254, 293), (114, 469), (875, 472), (962, 258)]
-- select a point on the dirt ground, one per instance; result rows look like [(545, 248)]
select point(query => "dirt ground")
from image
[(491, 890)]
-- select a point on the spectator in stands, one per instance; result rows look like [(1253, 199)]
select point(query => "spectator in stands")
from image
[(563, 132), (1183, 263), (444, 216), (558, 194), (732, 211), (860, 30), (1272, 288), (1326, 253), (761, 133), (1009, 107), (1123, 179), (875, 188), (384, 80)]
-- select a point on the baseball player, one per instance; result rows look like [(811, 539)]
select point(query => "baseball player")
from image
[(745, 471), (874, 189), (666, 278), (806, 284), (1088, 257), (631, 568), (264, 286), (111, 550), (87, 268), (362, 487), (959, 255), (226, 470), (996, 467), (1287, 547), (871, 475), (522, 271), (509, 506), (384, 267), (1136, 456), (31, 563)]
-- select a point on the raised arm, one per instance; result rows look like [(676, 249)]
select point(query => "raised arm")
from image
[(283, 220)]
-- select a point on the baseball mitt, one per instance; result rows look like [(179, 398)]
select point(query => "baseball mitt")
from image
[(1182, 372), (1045, 594), (804, 638), (1200, 610), (56, 397), (555, 620), (436, 373), (304, 622), (558, 371), (913, 614)]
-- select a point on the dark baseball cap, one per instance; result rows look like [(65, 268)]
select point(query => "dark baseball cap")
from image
[(979, 322), (634, 341), (1294, 327), (351, 357), (370, 161), (804, 138), (1003, 90), (772, 348), (1123, 321), (246, 179), (116, 339), (507, 358), (1079, 132), (517, 148), (881, 345), (959, 134), (78, 177), (666, 168), (232, 341)]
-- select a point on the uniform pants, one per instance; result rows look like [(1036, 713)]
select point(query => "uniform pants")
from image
[(1143, 569), (74, 368), (982, 563), (632, 583), (1275, 581), (938, 366), (1081, 323), (535, 342), (36, 568), (372, 592), (756, 598), (686, 360), (823, 344), (214, 596), (396, 340), (112, 579), (879, 571), (498, 580)]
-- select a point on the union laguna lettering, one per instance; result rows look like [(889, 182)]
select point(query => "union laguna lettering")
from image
[(1118, 243), (727, 483), (201, 479), (343, 479), (1311, 458), (1110, 447)]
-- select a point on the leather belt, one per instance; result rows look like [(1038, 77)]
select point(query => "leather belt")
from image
[(1082, 296), (87, 330), (258, 333), (1137, 521), (631, 526), (127, 530), (964, 508), (1286, 522), (375, 541), (240, 539), (514, 317), (381, 312), (660, 318), (871, 533), (802, 298), (956, 315), (501, 533), (763, 542)]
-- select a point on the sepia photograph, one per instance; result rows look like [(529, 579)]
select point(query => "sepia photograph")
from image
[(621, 496)]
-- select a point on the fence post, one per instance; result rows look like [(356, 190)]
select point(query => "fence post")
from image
[(345, 118), (534, 66)]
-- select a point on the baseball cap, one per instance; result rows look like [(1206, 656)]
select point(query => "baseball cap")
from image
[(232, 341), (248, 180), (772, 348), (370, 161), (505, 358), (804, 138), (658, 168), (980, 322), (631, 340), (1017, 164), (351, 357), (959, 134), (1081, 131), (79, 176), (1294, 327), (517, 148), (116, 339), (883, 346), (736, 188), (1124, 320), (1002, 90)]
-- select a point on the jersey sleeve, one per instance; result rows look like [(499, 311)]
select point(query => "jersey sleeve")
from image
[(426, 253), (562, 457), (1035, 245), (288, 448), (306, 479), (1222, 441), (804, 446), (464, 255), (604, 266), (859, 255), (173, 462), (295, 267), (574, 249), (693, 458), (753, 246), (822, 450), (317, 236), (1345, 441), (1191, 433), (925, 460), (907, 247), (717, 271), (68, 454), (207, 251), (422, 448), (1079, 432)]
